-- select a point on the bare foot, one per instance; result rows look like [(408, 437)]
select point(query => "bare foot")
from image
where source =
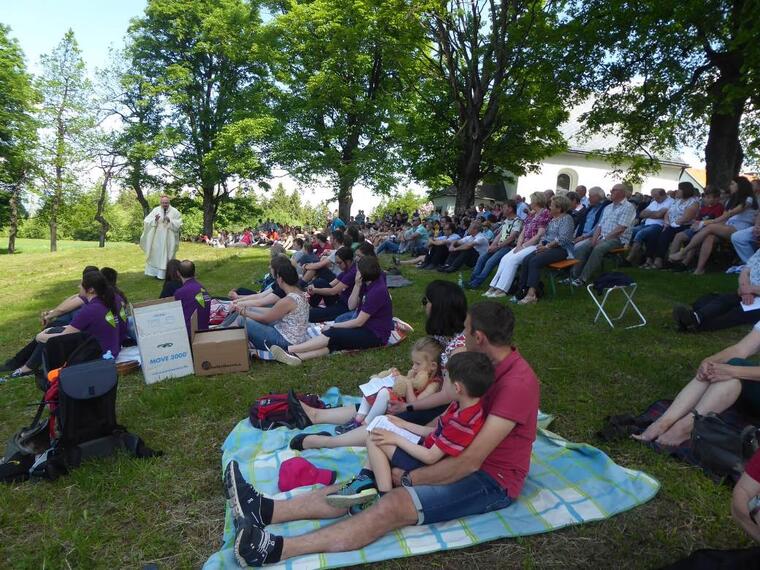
[(655, 430), (678, 433), (699, 272)]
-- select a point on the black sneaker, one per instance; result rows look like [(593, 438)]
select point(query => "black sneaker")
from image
[(244, 499), (685, 318), (256, 546), (347, 427)]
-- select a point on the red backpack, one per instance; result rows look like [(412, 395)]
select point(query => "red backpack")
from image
[(273, 411)]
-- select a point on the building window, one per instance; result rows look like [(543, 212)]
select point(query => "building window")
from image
[(567, 179)]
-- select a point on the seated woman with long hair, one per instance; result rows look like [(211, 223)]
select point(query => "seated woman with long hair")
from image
[(368, 327), (102, 316), (740, 214)]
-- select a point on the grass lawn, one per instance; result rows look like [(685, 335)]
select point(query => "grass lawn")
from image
[(124, 513)]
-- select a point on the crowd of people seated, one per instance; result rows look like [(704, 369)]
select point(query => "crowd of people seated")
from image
[(470, 396)]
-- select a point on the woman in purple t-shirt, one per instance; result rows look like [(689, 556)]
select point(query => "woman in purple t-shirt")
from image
[(368, 327), (102, 317)]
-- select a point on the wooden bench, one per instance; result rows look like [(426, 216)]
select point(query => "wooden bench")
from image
[(615, 254), (556, 269)]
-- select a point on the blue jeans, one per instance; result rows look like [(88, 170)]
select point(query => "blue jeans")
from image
[(486, 263), (744, 243), (473, 495), (389, 246), (263, 336), (641, 233), (346, 317)]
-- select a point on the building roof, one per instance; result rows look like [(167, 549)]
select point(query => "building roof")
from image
[(495, 192), (582, 142)]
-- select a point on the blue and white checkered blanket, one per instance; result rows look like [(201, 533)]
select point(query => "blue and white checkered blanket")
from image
[(569, 483)]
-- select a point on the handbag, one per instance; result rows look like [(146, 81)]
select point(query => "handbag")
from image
[(721, 447)]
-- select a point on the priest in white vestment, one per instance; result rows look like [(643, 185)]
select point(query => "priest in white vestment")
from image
[(160, 237)]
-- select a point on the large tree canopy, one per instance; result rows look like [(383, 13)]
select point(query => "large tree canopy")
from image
[(669, 73), (490, 95), (338, 66), (202, 59), (17, 131)]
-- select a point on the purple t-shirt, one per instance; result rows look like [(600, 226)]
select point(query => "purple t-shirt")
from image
[(98, 320), (347, 278), (194, 297), (376, 301)]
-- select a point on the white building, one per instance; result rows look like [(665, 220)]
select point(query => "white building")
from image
[(578, 165)]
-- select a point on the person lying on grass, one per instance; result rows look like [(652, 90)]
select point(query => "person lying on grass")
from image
[(487, 476), (721, 380), (422, 380), (469, 376)]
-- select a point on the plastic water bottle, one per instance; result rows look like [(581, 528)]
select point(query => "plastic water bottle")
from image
[(108, 356), (460, 281)]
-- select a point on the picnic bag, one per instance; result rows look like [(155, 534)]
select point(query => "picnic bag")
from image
[(276, 410), (720, 447)]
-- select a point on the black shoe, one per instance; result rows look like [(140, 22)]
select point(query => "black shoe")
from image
[(296, 443), (300, 419), (685, 318), (244, 499), (443, 269), (255, 546)]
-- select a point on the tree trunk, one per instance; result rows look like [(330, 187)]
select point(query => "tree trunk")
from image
[(468, 175), (723, 152), (209, 210), (13, 219), (104, 225), (345, 198), (137, 187)]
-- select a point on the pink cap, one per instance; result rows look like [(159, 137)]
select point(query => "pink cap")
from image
[(298, 472)]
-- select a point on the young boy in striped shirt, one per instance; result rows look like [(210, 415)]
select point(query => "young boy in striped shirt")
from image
[(467, 377)]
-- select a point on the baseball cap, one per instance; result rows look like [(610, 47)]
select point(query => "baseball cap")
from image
[(298, 472)]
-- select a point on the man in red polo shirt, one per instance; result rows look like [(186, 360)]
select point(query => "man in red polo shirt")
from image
[(488, 475)]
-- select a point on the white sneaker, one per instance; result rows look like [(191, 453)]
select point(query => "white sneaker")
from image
[(281, 355), (498, 293)]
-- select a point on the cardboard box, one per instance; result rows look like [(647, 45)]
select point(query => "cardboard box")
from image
[(219, 351), (162, 340)]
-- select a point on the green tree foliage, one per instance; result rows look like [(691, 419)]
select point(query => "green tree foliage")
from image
[(339, 65), (675, 72), (490, 95), (406, 201), (66, 121), (286, 208), (202, 59), (18, 135)]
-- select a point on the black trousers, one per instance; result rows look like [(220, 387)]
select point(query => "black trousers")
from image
[(657, 245), (436, 255), (722, 311), (459, 258), (530, 268)]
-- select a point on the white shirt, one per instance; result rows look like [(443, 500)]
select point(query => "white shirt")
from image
[(655, 206), (481, 242)]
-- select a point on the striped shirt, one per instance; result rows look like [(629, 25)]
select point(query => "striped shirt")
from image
[(456, 428)]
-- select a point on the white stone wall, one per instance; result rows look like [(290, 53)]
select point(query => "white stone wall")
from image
[(589, 172)]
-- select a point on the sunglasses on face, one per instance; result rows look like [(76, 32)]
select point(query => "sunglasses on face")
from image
[(425, 301)]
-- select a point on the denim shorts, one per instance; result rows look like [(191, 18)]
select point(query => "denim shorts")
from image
[(473, 495)]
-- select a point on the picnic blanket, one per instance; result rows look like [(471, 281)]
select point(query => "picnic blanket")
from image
[(396, 281), (400, 331), (569, 483)]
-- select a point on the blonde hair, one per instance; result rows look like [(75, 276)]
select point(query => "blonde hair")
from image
[(538, 198), (428, 346), (562, 202)]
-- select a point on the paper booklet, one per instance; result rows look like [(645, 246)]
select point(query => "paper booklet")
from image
[(376, 384), (753, 307), (382, 422)]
